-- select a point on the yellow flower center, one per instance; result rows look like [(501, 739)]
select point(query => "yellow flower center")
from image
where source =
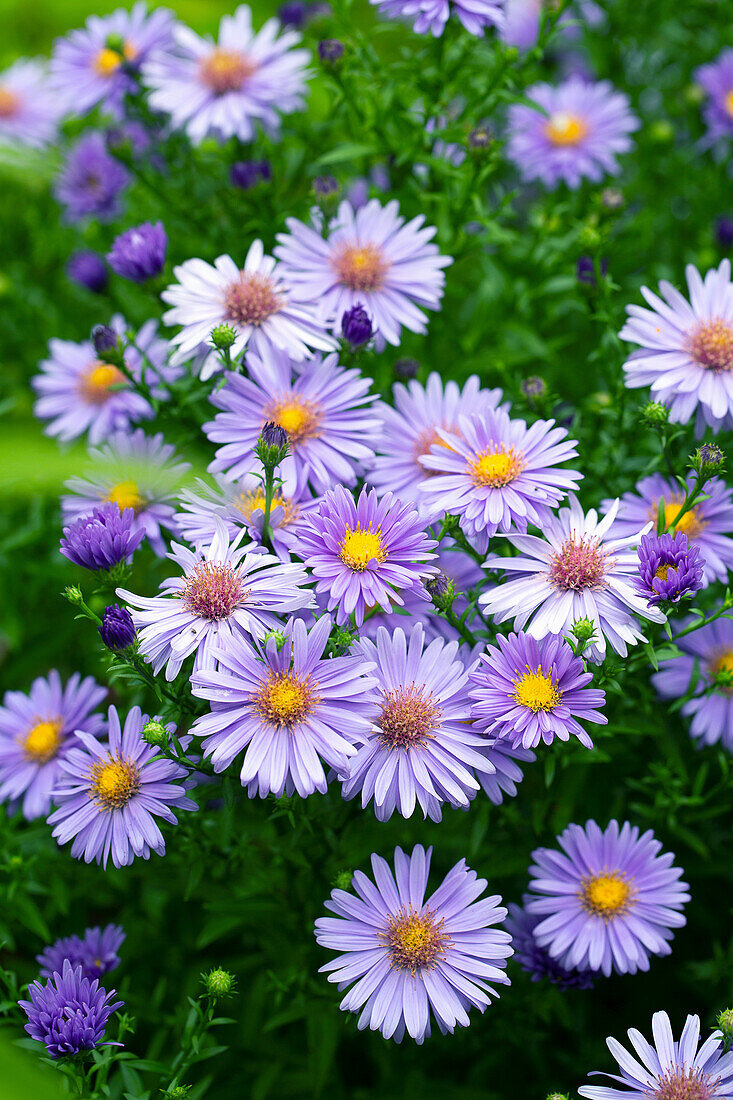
[(285, 699), (661, 572), (9, 103), (565, 129), (536, 691), (723, 664), (729, 103), (98, 380), (114, 782), (495, 468), (126, 495), (360, 267), (607, 895), (42, 742), (108, 61), (359, 547), (414, 940), (690, 524), (249, 502), (298, 416), (226, 70)]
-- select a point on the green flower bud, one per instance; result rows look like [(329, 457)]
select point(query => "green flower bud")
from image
[(583, 630), (155, 733), (654, 414), (343, 880), (724, 1023), (558, 1096), (708, 460), (73, 594), (272, 446), (277, 635), (661, 131), (178, 1093), (218, 983), (223, 336)]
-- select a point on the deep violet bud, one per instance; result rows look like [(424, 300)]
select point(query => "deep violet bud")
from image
[(104, 339), (669, 568), (88, 269), (293, 13), (246, 174), (69, 1013), (330, 51), (406, 368), (480, 138), (356, 325), (272, 446), (724, 232), (534, 388), (103, 539), (139, 253), (325, 187), (708, 460), (586, 271), (117, 630)]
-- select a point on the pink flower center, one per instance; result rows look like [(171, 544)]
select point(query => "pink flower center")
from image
[(360, 267), (251, 300), (213, 590), (711, 345), (578, 564), (409, 716), (414, 940), (9, 103), (226, 71), (686, 1084)]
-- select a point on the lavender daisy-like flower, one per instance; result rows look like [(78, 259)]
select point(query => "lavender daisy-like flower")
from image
[(431, 16), (287, 707), (706, 669), (608, 901), (575, 132), (139, 253), (110, 793), (95, 952), (98, 63), (578, 570), (669, 568), (497, 474), (503, 770), (69, 1013), (254, 300), (91, 181), (708, 524), (372, 258), (366, 552), (716, 79), (668, 1070), (420, 749), (411, 957), (411, 428), (228, 89), (686, 348), (36, 731), (226, 595), (536, 960), (103, 539), (323, 408), (138, 472), (29, 111), (527, 691)]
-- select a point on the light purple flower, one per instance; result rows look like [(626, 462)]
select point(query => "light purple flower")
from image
[(370, 257), (91, 181), (95, 952), (536, 960), (324, 408), (431, 16), (686, 354), (716, 78), (228, 89), (254, 300), (575, 132), (366, 552), (410, 957), (109, 794), (522, 20), (139, 253), (29, 111), (503, 770), (226, 595), (669, 568), (36, 732), (527, 691), (578, 570), (608, 900), (69, 1013), (289, 708), (683, 1069)]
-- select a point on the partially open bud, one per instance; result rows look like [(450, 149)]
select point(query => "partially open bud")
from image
[(708, 460), (272, 446)]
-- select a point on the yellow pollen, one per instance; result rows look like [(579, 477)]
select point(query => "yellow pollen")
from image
[(710, 345), (723, 664), (250, 502), (661, 572), (360, 267), (607, 894), (226, 70), (359, 547), (729, 103), (565, 129), (126, 495), (495, 468), (108, 61), (297, 415), (97, 382), (42, 742), (285, 699), (414, 940), (536, 691), (114, 782), (690, 524), (9, 103)]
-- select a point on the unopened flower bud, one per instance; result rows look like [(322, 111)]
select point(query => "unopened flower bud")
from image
[(356, 325), (218, 983), (534, 388), (117, 630), (558, 1096), (106, 343), (179, 1092), (343, 880), (441, 590), (325, 187), (277, 636), (330, 51), (155, 733), (724, 232), (708, 460), (583, 630), (654, 414), (72, 593), (724, 1023), (586, 270), (272, 446), (406, 368), (223, 336), (481, 138), (116, 43)]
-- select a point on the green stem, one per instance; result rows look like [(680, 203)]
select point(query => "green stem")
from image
[(458, 624)]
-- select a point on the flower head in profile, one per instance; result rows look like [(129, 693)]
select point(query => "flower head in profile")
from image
[(536, 960), (366, 552), (668, 1069), (138, 254), (110, 793), (69, 1013), (609, 899), (431, 16), (95, 952), (91, 181), (686, 348), (371, 257), (29, 111), (574, 131), (232, 87), (37, 730), (288, 707), (527, 691), (419, 750), (716, 79), (669, 568), (254, 300), (103, 539), (407, 958)]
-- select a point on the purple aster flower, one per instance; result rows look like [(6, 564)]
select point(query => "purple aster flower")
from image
[(716, 79), (503, 771), (669, 1069), (522, 20), (254, 300), (372, 258), (288, 707), (536, 960), (138, 472), (419, 748), (708, 524), (686, 354), (356, 326), (109, 794), (528, 691), (578, 570), (366, 552), (91, 181), (669, 568), (705, 669), (95, 952), (29, 111), (246, 174), (36, 731), (409, 956), (88, 269), (431, 16), (117, 630), (575, 132), (227, 89), (103, 539), (330, 50), (411, 428), (139, 253), (226, 595), (319, 404), (497, 474), (608, 900), (69, 1013)]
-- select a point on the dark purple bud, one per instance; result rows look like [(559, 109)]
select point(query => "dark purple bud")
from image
[(481, 137), (724, 232), (356, 325), (293, 13), (103, 539), (406, 368), (273, 435), (246, 174), (139, 254), (330, 51), (437, 586), (586, 270), (105, 339), (88, 269), (325, 186), (534, 387), (117, 630)]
